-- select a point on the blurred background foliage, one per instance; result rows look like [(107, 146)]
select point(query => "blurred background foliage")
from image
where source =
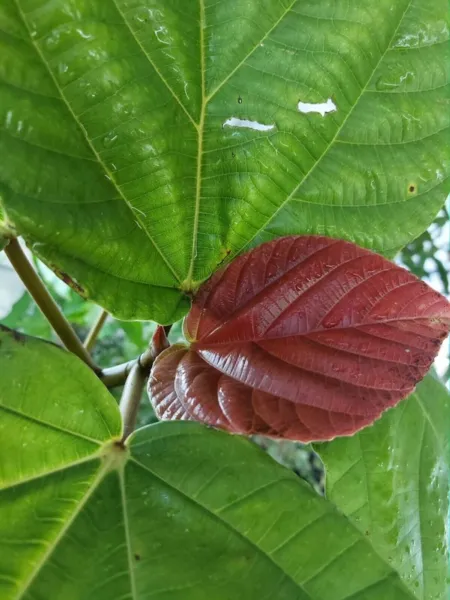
[(428, 257)]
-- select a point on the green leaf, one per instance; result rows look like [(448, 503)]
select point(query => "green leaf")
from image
[(122, 165), (182, 512), (391, 480), (25, 316), (52, 401)]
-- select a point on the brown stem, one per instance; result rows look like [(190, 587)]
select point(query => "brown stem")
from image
[(45, 302), (116, 376)]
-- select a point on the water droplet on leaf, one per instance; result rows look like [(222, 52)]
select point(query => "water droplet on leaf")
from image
[(110, 139)]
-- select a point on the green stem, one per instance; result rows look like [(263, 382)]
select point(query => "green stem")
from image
[(95, 330), (45, 302)]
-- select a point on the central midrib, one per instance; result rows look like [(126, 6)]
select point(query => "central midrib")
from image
[(187, 283)]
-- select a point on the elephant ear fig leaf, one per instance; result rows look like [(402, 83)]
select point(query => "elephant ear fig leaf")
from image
[(142, 143), (178, 512), (304, 338)]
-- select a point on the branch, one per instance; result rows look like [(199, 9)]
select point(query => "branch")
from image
[(95, 330), (134, 385), (131, 398), (138, 372), (116, 376), (45, 302)]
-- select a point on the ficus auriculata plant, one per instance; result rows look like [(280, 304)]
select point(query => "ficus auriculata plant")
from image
[(251, 168)]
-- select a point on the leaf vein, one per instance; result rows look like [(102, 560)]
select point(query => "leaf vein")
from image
[(54, 543), (338, 131), (216, 517), (214, 92), (163, 79), (83, 130)]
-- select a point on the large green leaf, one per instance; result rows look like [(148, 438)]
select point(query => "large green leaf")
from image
[(122, 163), (391, 480), (182, 513)]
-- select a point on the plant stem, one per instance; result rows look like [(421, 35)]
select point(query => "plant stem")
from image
[(131, 398), (45, 302), (115, 376), (95, 330), (132, 391), (138, 374)]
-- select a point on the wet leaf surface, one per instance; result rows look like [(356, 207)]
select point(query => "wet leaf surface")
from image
[(302, 338), (143, 143)]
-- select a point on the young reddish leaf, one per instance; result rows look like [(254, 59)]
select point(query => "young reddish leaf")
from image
[(159, 341), (303, 338)]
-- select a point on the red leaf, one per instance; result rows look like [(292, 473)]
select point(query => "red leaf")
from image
[(303, 338)]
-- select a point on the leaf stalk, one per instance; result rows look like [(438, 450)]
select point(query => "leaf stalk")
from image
[(46, 304), (135, 382), (95, 330), (131, 398)]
